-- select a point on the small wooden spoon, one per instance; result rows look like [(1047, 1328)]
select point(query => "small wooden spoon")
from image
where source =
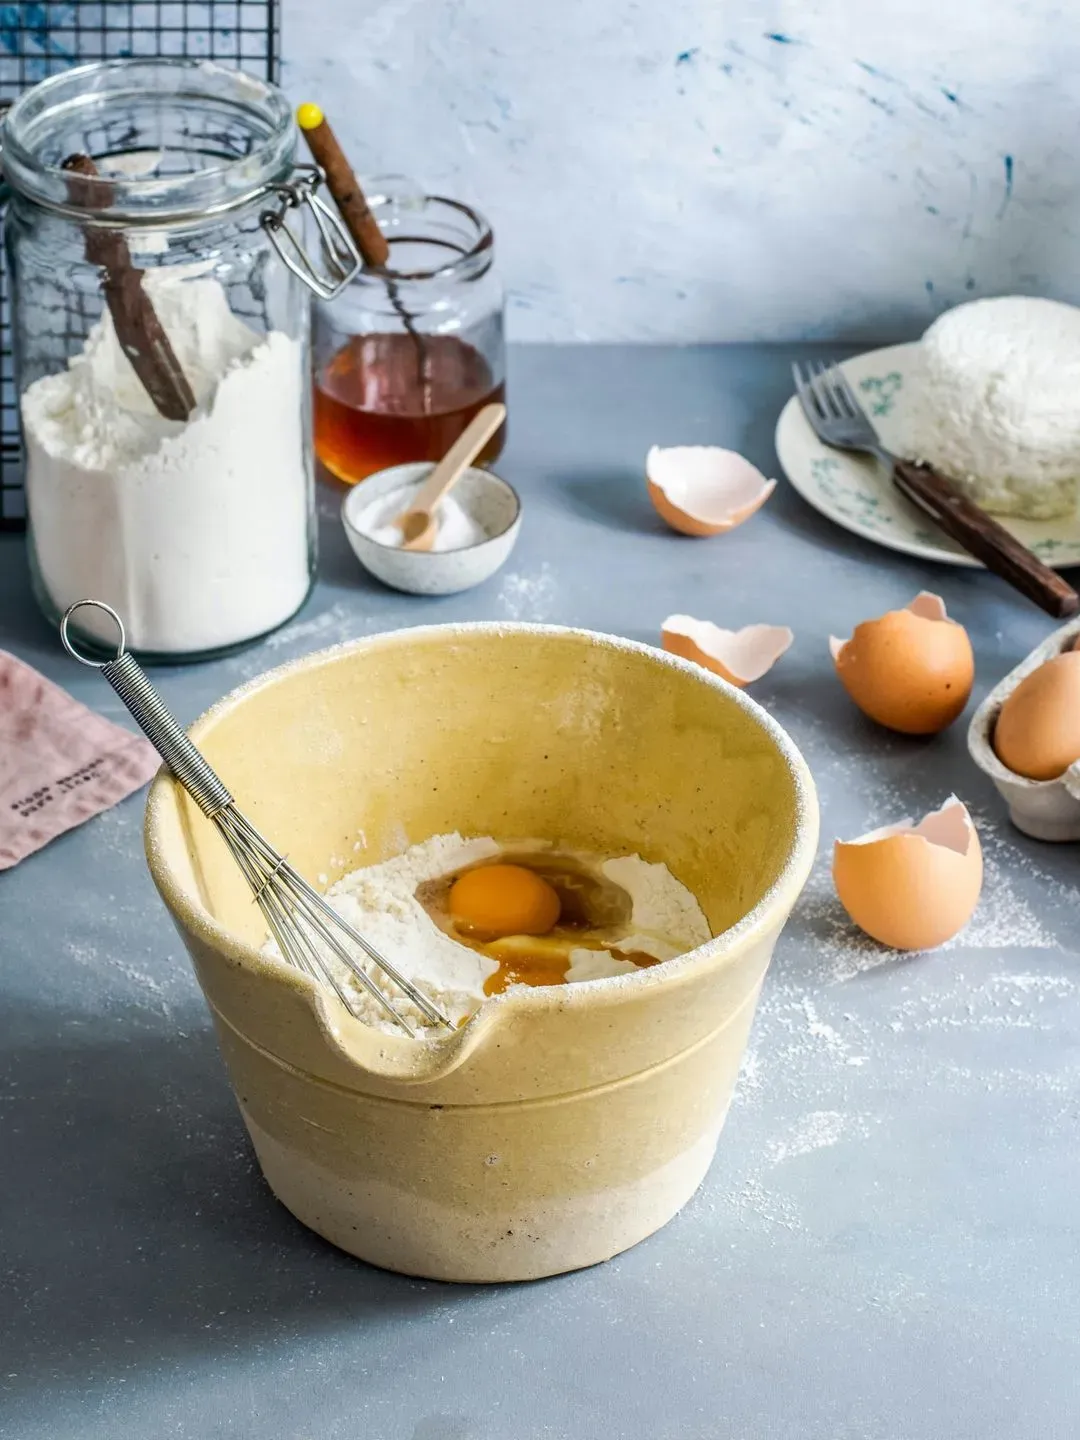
[(417, 523)]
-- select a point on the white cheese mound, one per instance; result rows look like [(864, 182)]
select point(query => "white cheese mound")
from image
[(996, 404)]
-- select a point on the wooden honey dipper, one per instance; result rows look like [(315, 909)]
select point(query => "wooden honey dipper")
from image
[(343, 185), (142, 336), (352, 204)]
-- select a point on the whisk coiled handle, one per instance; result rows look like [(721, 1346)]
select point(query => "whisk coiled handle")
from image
[(131, 683)]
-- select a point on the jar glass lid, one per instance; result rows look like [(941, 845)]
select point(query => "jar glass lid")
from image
[(173, 140)]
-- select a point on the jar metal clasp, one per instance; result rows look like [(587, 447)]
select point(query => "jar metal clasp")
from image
[(340, 259)]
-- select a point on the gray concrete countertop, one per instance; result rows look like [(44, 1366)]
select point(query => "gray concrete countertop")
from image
[(887, 1245)]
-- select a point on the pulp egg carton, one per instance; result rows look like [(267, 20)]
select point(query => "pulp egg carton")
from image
[(1044, 809)]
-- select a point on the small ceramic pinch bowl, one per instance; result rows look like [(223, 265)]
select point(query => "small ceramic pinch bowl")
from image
[(1043, 809), (563, 1123), (486, 498)]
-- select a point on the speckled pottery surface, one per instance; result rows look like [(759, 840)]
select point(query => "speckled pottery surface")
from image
[(562, 1124), (486, 498), (1044, 809)]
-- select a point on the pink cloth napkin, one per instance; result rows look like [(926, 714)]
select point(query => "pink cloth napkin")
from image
[(60, 763)]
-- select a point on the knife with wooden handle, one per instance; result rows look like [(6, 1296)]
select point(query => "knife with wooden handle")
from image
[(982, 536)]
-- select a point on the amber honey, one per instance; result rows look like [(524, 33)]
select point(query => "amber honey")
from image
[(383, 400)]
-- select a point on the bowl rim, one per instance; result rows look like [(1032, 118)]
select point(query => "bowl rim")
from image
[(427, 554), (777, 899)]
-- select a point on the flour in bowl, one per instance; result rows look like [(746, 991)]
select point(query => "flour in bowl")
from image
[(994, 404), (615, 915)]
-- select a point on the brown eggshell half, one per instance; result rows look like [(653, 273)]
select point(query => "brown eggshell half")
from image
[(737, 656), (911, 670), (704, 490), (912, 887)]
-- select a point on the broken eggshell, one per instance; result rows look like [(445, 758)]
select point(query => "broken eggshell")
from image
[(737, 656), (912, 887), (704, 490), (911, 670)]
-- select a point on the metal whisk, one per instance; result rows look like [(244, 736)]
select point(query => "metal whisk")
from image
[(298, 917)]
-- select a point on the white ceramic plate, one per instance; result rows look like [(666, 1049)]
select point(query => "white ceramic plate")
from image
[(856, 492)]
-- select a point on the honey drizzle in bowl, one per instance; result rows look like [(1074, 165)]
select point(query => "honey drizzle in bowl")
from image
[(587, 902)]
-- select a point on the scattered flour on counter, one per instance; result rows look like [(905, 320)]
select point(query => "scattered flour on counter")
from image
[(817, 1029), (145, 991), (844, 1025), (817, 1130), (753, 1203), (1037, 985), (1003, 919), (850, 1038), (332, 627), (529, 597)]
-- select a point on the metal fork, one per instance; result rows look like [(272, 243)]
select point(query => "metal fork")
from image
[(838, 420)]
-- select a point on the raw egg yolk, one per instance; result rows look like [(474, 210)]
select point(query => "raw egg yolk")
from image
[(498, 900)]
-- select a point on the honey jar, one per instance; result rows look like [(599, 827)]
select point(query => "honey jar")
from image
[(408, 353)]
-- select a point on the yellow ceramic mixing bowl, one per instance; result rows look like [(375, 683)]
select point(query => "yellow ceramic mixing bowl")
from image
[(562, 1124)]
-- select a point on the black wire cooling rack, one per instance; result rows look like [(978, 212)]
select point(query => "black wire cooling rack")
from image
[(38, 40)]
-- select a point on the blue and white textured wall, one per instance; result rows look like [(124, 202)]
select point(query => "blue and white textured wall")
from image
[(724, 169)]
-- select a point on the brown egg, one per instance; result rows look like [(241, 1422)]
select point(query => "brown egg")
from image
[(704, 490), (737, 656), (1037, 733), (911, 670), (912, 887)]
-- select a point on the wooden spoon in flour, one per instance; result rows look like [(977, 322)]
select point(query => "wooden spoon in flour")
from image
[(141, 334)]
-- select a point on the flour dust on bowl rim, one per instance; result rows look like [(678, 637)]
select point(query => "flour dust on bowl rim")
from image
[(561, 1124)]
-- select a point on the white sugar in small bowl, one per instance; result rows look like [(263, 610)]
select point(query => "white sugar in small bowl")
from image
[(492, 505)]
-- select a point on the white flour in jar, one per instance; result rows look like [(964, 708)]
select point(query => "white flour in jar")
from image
[(196, 531)]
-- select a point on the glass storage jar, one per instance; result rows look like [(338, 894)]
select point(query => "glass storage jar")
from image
[(160, 326), (408, 353)]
